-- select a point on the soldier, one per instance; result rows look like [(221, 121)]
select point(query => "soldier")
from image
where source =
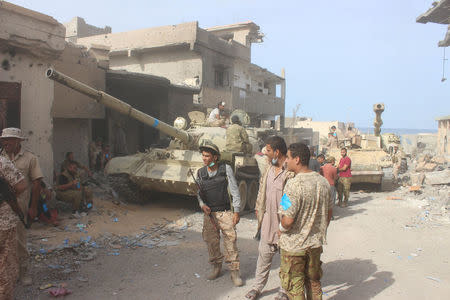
[(70, 190), (215, 117), (332, 138), (28, 165), (305, 214), (237, 137), (396, 157), (215, 178), (269, 195), (345, 178), (12, 184), (69, 159)]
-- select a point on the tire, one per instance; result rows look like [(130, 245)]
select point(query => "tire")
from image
[(126, 189), (243, 193), (388, 181), (252, 193)]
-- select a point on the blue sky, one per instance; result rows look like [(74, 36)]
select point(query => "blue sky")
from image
[(341, 57)]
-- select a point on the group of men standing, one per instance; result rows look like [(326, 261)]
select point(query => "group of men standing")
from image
[(293, 208)]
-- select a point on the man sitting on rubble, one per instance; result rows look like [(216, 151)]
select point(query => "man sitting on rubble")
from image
[(237, 137), (215, 117), (69, 159), (70, 189)]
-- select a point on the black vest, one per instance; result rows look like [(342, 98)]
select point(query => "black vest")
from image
[(215, 188)]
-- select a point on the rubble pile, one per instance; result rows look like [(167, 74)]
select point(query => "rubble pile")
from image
[(428, 170)]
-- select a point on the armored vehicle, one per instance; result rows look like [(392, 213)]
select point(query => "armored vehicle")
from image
[(169, 169), (371, 155)]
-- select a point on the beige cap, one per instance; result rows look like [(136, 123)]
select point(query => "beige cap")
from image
[(12, 132)]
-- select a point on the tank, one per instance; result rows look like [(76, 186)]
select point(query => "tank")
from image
[(371, 155), (169, 169)]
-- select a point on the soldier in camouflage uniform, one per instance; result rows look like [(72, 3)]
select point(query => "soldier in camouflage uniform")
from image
[(13, 182), (215, 178), (70, 190), (306, 210), (237, 137)]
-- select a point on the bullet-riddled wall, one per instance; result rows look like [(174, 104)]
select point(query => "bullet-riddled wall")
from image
[(29, 43)]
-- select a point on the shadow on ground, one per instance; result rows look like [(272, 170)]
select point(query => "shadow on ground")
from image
[(354, 206), (354, 279)]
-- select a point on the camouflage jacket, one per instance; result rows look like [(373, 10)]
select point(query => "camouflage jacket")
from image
[(237, 139)]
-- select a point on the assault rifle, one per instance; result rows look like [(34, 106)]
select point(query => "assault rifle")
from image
[(202, 196)]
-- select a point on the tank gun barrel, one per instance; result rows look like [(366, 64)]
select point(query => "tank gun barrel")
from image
[(118, 105), (378, 108)]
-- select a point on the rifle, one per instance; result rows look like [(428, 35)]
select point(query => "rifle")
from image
[(10, 198), (202, 196)]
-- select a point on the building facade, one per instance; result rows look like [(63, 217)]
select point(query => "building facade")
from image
[(215, 60), (443, 148)]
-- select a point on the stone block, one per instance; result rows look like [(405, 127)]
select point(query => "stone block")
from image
[(440, 160), (416, 179), (439, 177), (426, 167)]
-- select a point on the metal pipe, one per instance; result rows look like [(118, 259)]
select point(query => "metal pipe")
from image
[(118, 105)]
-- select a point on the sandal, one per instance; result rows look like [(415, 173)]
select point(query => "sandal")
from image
[(281, 296), (252, 295)]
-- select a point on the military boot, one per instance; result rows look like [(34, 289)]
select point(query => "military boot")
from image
[(236, 278), (215, 272)]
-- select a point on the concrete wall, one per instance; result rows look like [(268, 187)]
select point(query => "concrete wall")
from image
[(146, 38), (322, 127), (71, 135), (36, 104), (29, 41), (76, 63), (417, 144), (38, 34), (78, 28), (443, 138), (178, 65)]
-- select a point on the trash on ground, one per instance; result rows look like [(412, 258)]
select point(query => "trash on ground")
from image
[(433, 278), (59, 291)]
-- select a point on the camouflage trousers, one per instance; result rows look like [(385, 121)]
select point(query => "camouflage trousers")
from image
[(300, 274), (223, 222), (343, 188), (9, 262), (22, 250), (75, 197)]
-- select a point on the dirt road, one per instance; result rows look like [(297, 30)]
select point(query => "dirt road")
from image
[(377, 249)]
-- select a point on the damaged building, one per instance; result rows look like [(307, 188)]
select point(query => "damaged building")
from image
[(216, 61), (30, 42), (440, 14), (165, 72)]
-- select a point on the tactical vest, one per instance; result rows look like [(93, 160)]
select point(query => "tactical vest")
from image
[(215, 188)]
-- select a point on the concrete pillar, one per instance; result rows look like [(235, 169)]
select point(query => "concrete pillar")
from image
[(283, 96)]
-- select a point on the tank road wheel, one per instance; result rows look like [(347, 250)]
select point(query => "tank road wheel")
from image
[(252, 193), (388, 181), (243, 194), (126, 189)]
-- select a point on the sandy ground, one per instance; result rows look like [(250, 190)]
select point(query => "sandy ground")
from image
[(377, 249)]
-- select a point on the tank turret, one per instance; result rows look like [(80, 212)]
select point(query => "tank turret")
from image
[(122, 107)]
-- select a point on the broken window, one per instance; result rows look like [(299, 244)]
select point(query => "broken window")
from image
[(278, 91), (221, 78), (9, 104)]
